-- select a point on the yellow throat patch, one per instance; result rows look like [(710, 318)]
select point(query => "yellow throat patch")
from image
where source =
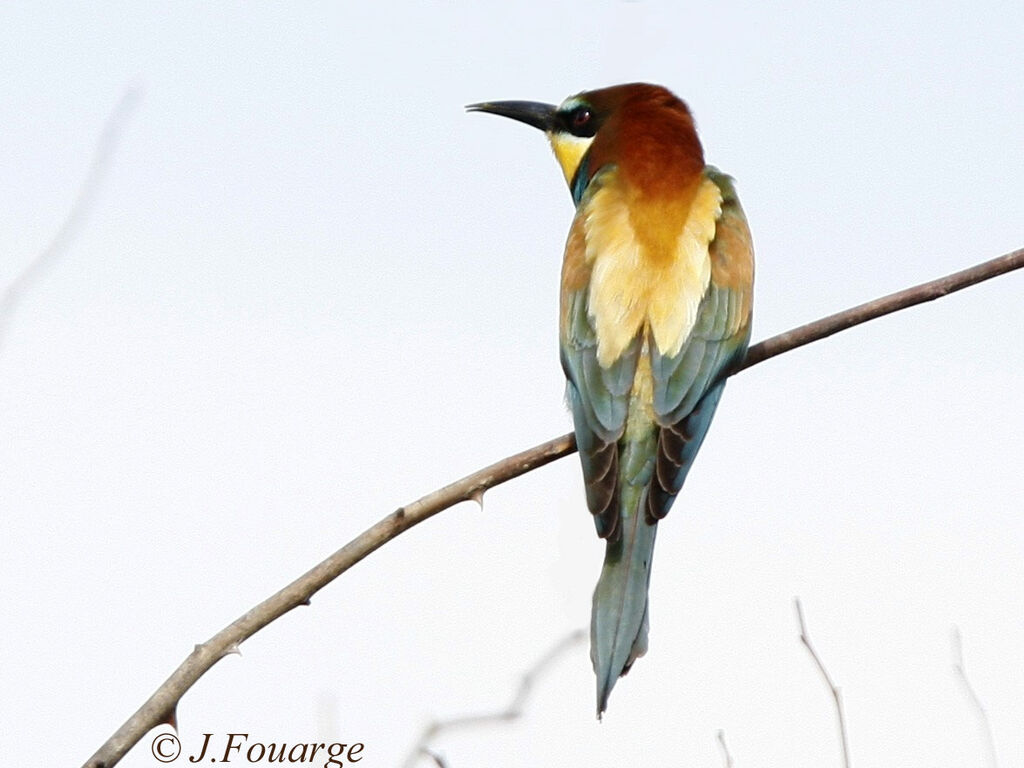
[(569, 151)]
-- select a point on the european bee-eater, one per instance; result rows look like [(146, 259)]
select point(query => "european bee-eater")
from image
[(657, 284)]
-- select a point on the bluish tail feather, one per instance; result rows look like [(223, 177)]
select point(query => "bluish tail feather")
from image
[(619, 621)]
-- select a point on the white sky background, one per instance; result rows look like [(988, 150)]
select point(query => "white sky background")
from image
[(313, 289)]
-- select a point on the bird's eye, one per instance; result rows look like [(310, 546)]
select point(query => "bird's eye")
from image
[(580, 117), (580, 121)]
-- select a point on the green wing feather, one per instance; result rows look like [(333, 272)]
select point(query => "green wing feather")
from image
[(599, 398), (688, 385)]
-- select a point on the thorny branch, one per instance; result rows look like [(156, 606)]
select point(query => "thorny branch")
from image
[(979, 708), (513, 711), (836, 695), (160, 707)]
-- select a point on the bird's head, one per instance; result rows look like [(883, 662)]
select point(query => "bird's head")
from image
[(645, 129)]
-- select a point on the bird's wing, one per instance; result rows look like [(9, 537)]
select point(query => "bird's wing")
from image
[(598, 396), (687, 385)]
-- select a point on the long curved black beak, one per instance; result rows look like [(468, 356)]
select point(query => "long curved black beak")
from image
[(530, 112)]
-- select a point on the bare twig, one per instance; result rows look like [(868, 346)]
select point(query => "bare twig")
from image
[(836, 695), (513, 711), (80, 209), (979, 708), (909, 297), (160, 707), (726, 756)]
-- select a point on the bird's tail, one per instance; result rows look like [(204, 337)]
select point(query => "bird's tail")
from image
[(618, 625)]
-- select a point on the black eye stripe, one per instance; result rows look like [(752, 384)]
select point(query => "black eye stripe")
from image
[(579, 121)]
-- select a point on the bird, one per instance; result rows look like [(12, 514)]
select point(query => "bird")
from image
[(654, 313)]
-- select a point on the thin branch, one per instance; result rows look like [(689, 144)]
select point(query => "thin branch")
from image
[(726, 756), (836, 695), (80, 209), (979, 708), (513, 711), (160, 707), (909, 297)]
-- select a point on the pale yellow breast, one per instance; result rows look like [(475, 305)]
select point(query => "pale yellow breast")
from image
[(632, 287)]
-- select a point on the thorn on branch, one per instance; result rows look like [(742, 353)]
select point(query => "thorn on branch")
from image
[(478, 496)]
